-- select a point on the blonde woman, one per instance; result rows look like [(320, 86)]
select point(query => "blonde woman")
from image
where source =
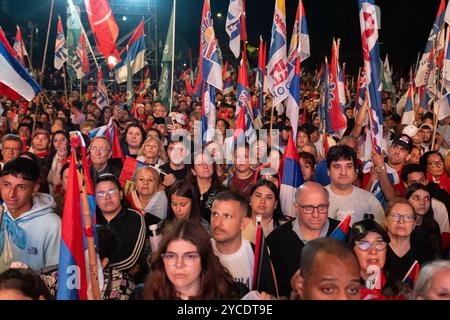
[(152, 152), (148, 198)]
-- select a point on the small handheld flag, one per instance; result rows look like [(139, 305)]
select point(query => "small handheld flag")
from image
[(412, 274), (341, 231)]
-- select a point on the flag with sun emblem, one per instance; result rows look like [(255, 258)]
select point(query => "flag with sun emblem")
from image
[(211, 68)]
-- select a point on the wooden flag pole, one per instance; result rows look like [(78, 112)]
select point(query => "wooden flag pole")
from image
[(173, 54), (46, 44), (65, 84), (88, 227)]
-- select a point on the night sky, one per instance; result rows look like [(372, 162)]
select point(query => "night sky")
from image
[(405, 26)]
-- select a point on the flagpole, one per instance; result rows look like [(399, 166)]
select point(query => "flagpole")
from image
[(173, 53), (46, 43), (81, 88), (65, 83), (92, 256)]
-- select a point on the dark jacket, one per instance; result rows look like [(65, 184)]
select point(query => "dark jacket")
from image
[(129, 229), (285, 251), (114, 166)]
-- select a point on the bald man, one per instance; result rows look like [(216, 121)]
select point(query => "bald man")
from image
[(287, 241)]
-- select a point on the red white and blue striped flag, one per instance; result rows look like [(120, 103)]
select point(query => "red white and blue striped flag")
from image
[(291, 178), (371, 54), (73, 268), (102, 94)]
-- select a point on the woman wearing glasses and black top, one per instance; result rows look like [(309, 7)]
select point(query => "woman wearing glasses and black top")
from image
[(369, 242), (127, 225), (402, 251), (186, 268)]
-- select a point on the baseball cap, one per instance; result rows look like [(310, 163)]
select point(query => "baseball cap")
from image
[(361, 228), (404, 141), (410, 130), (179, 117), (41, 131)]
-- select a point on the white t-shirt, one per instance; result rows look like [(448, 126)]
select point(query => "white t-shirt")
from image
[(240, 263), (440, 215), (357, 204)]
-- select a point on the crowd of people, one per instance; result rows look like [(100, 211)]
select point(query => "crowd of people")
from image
[(206, 208)]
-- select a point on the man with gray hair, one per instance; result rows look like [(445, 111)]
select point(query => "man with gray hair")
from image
[(287, 241), (11, 147), (101, 150)]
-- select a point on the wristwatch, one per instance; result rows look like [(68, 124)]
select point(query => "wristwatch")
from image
[(380, 169)]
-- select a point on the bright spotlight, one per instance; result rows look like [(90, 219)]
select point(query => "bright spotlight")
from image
[(219, 15), (124, 18)]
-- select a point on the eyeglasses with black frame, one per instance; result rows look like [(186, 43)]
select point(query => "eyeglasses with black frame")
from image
[(365, 245), (309, 209)]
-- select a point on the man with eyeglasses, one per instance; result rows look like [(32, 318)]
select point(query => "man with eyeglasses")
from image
[(11, 147), (346, 198), (127, 224), (100, 151), (287, 241), (383, 179), (440, 201)]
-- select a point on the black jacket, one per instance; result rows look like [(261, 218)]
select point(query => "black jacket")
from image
[(114, 166), (129, 229), (285, 252)]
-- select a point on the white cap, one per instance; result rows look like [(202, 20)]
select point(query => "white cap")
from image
[(427, 125), (179, 117), (410, 130)]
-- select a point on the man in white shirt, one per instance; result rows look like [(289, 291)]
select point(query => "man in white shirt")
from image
[(345, 198), (229, 216)]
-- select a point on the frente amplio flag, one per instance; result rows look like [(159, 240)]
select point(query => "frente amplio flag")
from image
[(61, 53), (264, 278)]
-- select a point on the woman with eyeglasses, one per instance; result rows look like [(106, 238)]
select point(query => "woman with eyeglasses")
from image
[(186, 268), (127, 225), (435, 170), (369, 241), (401, 252), (427, 229)]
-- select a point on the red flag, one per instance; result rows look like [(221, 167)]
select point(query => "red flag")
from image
[(337, 118), (104, 28), (83, 55)]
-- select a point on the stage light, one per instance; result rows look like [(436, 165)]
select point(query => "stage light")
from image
[(219, 15), (124, 18)]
